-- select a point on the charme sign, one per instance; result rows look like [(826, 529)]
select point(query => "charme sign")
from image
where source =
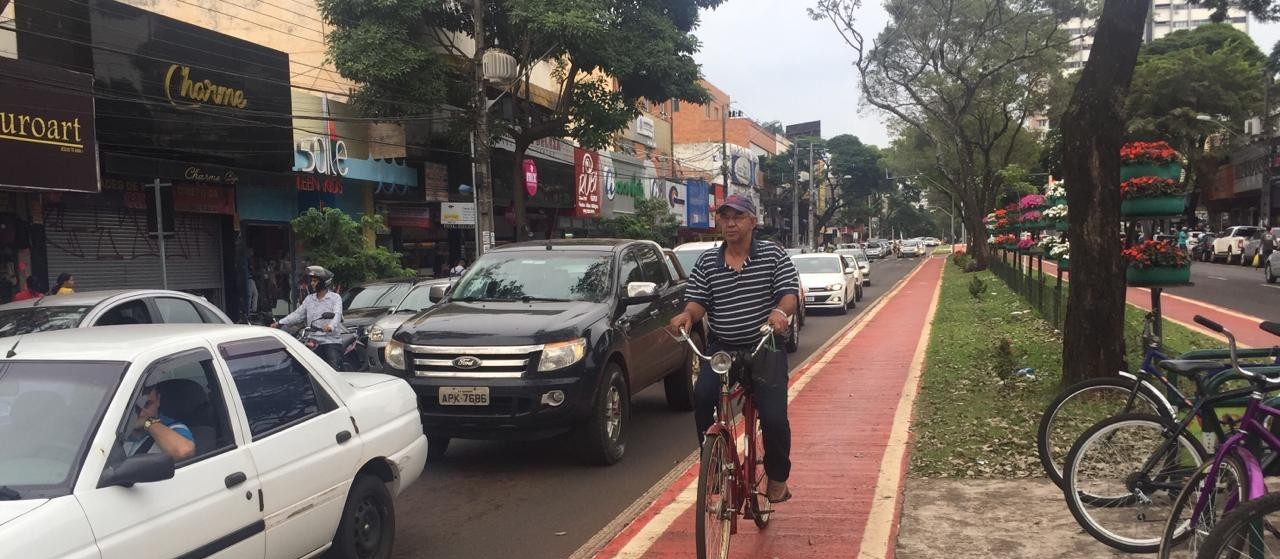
[(46, 128), (178, 86)]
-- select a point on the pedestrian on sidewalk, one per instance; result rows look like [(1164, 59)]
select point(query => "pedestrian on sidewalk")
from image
[(738, 287), (31, 290), (1182, 238), (65, 285)]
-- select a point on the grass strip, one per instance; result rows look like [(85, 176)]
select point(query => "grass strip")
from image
[(977, 419)]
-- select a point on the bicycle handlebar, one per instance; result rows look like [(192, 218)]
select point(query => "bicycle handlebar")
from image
[(1235, 357), (1209, 324), (765, 331)]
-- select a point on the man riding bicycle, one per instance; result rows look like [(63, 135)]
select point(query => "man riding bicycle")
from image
[(738, 287), (328, 340)]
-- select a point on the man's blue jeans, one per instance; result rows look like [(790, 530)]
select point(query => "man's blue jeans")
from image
[(771, 405)]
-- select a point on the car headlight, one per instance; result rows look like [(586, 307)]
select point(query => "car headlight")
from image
[(375, 334), (836, 287), (562, 354), (395, 355)]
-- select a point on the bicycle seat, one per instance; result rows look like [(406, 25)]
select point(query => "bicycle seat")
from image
[(1190, 367)]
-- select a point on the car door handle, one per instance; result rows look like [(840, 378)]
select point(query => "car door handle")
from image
[(654, 312), (236, 479), (343, 436)]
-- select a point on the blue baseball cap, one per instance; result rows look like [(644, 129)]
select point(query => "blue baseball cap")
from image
[(738, 202)]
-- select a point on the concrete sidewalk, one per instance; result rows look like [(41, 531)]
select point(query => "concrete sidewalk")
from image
[(850, 413)]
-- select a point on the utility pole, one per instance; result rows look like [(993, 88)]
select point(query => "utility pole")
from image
[(480, 157), (1265, 213), (795, 198), (724, 151), (813, 204)]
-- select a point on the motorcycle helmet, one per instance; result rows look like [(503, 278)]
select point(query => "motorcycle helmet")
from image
[(324, 277)]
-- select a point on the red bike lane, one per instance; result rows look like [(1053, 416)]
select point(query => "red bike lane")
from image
[(1183, 311), (850, 416)]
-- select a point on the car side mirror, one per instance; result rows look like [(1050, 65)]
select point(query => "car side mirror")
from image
[(639, 292), (141, 468), (849, 270), (437, 293)]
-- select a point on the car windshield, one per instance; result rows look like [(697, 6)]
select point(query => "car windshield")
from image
[(376, 295), (49, 413), (818, 265), (873, 245), (688, 258), (419, 298), (857, 254), (28, 320), (1243, 232), (555, 275)]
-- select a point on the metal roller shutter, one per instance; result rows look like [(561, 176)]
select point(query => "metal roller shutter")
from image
[(107, 248)]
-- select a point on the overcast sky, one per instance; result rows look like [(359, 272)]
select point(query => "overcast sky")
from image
[(777, 64)]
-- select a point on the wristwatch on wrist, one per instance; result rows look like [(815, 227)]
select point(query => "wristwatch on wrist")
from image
[(148, 422)]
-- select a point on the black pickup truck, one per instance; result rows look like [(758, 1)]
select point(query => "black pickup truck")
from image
[(539, 339)]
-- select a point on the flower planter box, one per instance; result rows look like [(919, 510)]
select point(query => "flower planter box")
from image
[(1055, 201), (1032, 250), (1158, 275), (1064, 264), (1060, 225), (1167, 171), (1154, 206)]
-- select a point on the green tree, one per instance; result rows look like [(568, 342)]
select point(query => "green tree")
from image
[(408, 58), (1094, 127), (330, 238), (652, 221), (1215, 71), (963, 75)]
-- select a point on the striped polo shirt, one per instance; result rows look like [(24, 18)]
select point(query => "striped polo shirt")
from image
[(738, 303)]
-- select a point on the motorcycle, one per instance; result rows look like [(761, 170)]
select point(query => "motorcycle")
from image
[(352, 347)]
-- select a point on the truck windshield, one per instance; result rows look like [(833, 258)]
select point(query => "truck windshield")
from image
[(538, 275), (49, 413)]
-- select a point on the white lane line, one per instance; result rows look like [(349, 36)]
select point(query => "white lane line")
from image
[(877, 533), (1218, 278)]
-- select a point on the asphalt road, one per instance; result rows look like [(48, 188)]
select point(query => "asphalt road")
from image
[(534, 500), (1239, 288)]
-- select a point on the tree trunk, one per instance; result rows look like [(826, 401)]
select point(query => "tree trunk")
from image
[(978, 249), (1093, 132), (517, 190)]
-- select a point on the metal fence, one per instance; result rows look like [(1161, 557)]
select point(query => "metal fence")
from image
[(1025, 274)]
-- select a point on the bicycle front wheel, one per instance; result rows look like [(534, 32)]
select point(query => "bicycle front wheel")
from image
[(1180, 540), (1109, 493), (1248, 531), (715, 514), (1083, 405)]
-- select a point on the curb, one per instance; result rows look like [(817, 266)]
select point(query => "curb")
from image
[(798, 373)]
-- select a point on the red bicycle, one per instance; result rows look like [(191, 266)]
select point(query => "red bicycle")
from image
[(731, 481)]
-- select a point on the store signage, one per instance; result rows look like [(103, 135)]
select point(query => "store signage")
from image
[(178, 84), (530, 177), (458, 213), (697, 192), (415, 218), (47, 132), (318, 183), (324, 156), (629, 186), (436, 179), (743, 168), (608, 177), (675, 196), (228, 177), (587, 193), (644, 127)]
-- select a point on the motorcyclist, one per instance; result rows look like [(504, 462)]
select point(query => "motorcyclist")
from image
[(328, 339)]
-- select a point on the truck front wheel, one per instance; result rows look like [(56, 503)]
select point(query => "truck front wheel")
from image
[(602, 438)]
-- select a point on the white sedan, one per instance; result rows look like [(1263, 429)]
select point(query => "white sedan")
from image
[(107, 308), (210, 441), (828, 282)]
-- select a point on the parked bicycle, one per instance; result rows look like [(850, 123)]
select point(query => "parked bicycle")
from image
[(1236, 473), (731, 481), (1123, 477), (1152, 390)]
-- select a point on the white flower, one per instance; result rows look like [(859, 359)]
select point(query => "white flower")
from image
[(1056, 213), (1061, 251), (1056, 190)]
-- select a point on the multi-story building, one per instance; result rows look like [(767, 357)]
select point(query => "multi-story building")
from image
[(1164, 17)]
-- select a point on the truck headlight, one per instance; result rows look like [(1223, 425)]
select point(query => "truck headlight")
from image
[(562, 354), (375, 334), (395, 355)]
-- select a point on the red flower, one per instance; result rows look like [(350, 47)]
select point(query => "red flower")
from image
[(1156, 153), (1148, 187), (1157, 254)]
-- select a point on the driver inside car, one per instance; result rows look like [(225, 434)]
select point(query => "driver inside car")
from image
[(150, 431)]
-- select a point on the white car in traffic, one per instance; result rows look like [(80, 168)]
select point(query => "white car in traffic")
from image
[(275, 455), (827, 281)]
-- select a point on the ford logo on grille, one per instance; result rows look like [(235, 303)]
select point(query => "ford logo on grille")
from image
[(467, 362)]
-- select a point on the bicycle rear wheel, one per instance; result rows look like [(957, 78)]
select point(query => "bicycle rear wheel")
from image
[(1246, 532), (1081, 406), (1182, 542), (758, 504), (1106, 490), (714, 499)]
